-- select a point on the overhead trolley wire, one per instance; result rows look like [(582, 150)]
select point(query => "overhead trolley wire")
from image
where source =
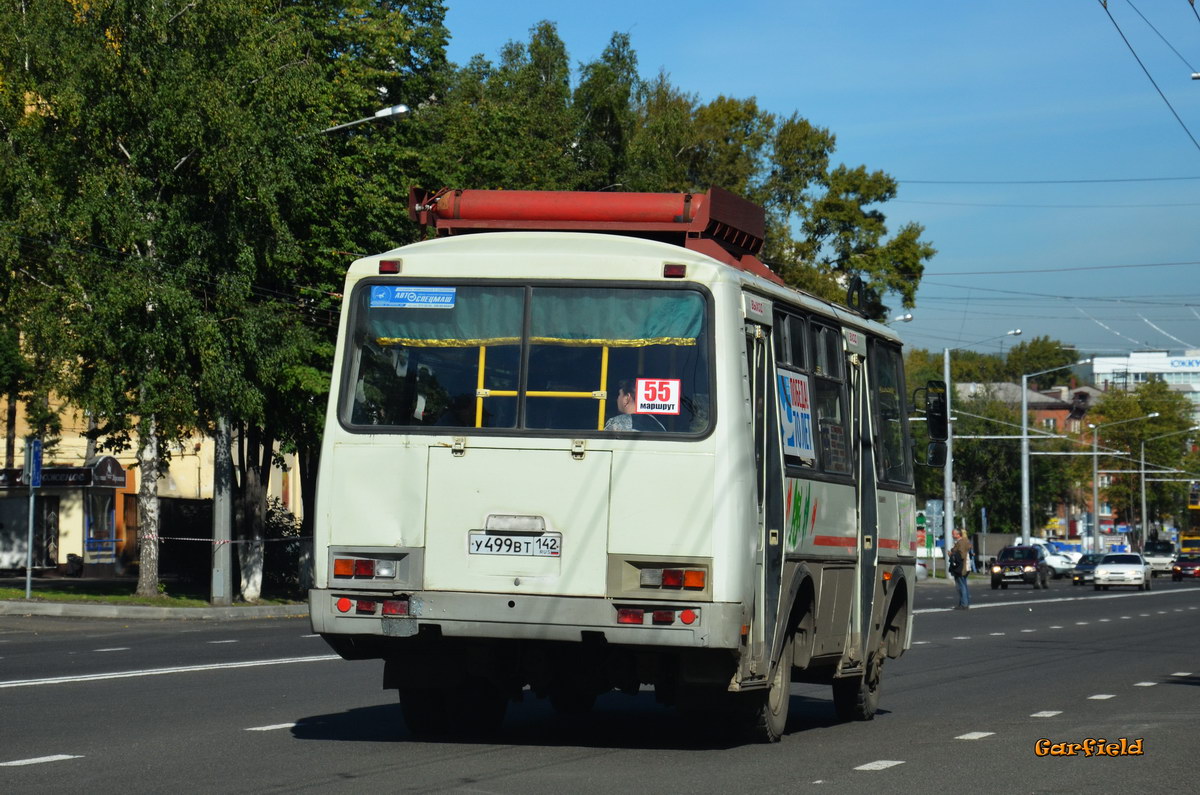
[(1104, 5)]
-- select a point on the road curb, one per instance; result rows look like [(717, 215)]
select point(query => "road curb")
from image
[(73, 610)]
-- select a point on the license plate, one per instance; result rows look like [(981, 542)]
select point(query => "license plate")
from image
[(546, 545)]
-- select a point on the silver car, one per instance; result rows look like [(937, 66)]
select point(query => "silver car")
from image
[(1122, 568)]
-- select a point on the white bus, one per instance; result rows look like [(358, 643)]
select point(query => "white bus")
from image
[(581, 442)]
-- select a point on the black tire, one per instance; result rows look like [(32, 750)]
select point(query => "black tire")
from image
[(473, 707), (572, 701), (1044, 579), (1004, 586), (995, 585), (857, 698), (1097, 587), (1175, 579), (424, 711), (769, 710)]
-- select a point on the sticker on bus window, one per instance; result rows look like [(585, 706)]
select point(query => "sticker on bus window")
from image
[(389, 297), (657, 396), (795, 417)]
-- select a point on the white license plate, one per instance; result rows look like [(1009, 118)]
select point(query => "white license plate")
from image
[(546, 545)]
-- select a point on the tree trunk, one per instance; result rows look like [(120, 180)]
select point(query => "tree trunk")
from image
[(147, 456), (256, 473), (10, 431), (309, 457)]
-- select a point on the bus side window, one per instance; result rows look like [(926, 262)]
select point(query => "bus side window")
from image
[(829, 401)]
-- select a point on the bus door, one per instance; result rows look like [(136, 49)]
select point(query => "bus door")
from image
[(865, 474), (768, 462)]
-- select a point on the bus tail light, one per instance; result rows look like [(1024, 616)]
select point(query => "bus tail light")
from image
[(630, 615), (364, 568), (659, 616), (691, 579), (371, 607)]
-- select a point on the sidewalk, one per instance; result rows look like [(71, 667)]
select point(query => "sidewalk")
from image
[(36, 607)]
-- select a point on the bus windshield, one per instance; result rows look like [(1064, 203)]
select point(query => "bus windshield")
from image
[(528, 357)]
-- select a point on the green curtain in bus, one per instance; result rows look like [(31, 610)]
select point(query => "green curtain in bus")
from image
[(561, 316)]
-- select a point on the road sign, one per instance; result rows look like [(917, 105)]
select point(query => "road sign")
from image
[(32, 476)]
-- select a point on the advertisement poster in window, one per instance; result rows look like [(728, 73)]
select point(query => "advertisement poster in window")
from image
[(795, 417)]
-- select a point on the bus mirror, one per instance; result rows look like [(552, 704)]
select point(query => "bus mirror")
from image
[(935, 454), (936, 415)]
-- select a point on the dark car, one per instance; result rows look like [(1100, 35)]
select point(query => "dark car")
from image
[(1021, 566), (1085, 569), (1186, 567)]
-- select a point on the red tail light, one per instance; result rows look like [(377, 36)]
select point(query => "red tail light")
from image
[(364, 568), (630, 615), (395, 607), (672, 578)]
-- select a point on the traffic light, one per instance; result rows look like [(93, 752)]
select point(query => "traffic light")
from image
[(936, 415)]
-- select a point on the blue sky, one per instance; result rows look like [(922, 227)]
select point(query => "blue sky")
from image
[(1057, 185)]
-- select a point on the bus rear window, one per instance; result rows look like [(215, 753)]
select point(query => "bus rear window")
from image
[(528, 357)]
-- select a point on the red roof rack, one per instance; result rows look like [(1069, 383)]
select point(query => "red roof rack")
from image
[(718, 223)]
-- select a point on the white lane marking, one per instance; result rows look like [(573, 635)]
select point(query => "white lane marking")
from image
[(40, 760), (1044, 602), (1126, 618), (1101, 697), (1056, 626), (974, 735), (1046, 713), (222, 641), (915, 643), (1182, 673), (114, 648), (1105, 620), (59, 680), (314, 635), (882, 764), (1144, 684), (995, 633), (272, 727), (1029, 630), (1081, 623), (962, 637)]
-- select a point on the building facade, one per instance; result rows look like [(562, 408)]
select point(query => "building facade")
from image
[(1180, 371)]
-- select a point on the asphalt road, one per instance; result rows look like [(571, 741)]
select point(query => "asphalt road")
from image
[(262, 706)]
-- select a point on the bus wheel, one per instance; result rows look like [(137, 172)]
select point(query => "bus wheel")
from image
[(572, 701), (424, 711), (857, 698), (472, 707), (770, 711)]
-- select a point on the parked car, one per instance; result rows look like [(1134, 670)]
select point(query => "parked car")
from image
[(1085, 570), (1122, 568), (1021, 566), (1186, 567)]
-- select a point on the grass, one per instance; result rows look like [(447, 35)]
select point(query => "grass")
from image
[(118, 592)]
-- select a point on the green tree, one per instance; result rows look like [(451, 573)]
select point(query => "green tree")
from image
[(1120, 444)]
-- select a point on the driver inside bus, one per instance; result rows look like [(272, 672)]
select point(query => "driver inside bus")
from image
[(627, 418)]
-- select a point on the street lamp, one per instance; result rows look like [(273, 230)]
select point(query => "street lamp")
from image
[(1145, 522), (948, 472), (383, 113), (1096, 474), (1025, 508)]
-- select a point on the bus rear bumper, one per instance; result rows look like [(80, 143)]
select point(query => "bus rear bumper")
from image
[(519, 617)]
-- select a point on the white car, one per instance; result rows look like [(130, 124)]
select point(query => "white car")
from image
[(1059, 562), (1123, 568)]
